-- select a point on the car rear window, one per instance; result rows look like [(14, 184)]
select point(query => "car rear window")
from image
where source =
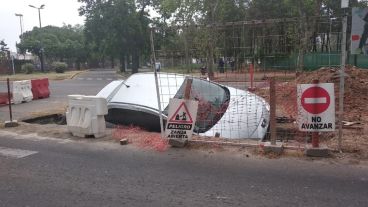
[(213, 102)]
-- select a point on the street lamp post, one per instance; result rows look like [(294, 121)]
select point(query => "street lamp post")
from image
[(39, 19), (21, 27), (20, 22)]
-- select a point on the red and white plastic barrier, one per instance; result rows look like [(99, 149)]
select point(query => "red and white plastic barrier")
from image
[(22, 91), (85, 115), (40, 88), (4, 98), (26, 91)]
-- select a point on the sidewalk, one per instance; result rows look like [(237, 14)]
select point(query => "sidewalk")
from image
[(56, 103), (34, 108)]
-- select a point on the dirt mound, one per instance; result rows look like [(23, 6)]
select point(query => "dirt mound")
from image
[(356, 89), (355, 137)]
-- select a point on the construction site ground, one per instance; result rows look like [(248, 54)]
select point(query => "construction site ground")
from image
[(355, 116), (355, 138)]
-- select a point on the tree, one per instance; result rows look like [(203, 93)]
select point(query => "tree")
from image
[(199, 12), (3, 50), (59, 43), (117, 26)]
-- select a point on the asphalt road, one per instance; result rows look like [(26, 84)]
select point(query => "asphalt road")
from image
[(54, 172), (87, 83)]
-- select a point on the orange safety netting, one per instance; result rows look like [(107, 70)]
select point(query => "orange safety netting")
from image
[(141, 138)]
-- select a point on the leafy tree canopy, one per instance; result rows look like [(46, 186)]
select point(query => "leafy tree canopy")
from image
[(58, 43)]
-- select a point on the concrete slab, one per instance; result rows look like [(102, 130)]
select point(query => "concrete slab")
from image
[(9, 124), (322, 151), (15, 153), (277, 149), (180, 143), (124, 141)]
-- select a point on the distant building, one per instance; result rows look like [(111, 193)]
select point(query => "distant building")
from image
[(26, 56), (6, 62)]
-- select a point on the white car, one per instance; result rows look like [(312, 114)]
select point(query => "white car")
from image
[(222, 111)]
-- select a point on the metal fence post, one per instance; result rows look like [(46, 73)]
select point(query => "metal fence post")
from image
[(156, 83), (315, 135), (188, 88), (273, 110), (9, 100), (342, 80)]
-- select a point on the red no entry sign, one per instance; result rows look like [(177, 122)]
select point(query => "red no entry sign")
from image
[(316, 107), (315, 100)]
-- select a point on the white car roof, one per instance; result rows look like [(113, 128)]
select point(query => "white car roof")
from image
[(143, 83)]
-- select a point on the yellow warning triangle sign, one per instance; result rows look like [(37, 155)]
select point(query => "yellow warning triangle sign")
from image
[(182, 115)]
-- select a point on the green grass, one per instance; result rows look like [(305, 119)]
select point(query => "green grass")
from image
[(38, 75), (183, 69)]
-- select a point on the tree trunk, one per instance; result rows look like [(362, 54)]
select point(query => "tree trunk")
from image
[(127, 62), (135, 62), (122, 63), (210, 60), (303, 37), (314, 48), (112, 62), (78, 63), (186, 62), (317, 13), (103, 62), (211, 42)]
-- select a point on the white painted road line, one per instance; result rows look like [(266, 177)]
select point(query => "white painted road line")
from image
[(15, 153), (315, 100), (99, 79)]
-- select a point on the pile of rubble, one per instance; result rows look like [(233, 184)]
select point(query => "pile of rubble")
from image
[(356, 89)]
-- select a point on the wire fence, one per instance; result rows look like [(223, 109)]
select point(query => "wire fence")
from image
[(243, 56), (268, 44)]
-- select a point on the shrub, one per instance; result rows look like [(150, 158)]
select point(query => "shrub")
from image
[(19, 63), (59, 67), (28, 68)]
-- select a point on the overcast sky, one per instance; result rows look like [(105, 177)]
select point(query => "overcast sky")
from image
[(56, 12)]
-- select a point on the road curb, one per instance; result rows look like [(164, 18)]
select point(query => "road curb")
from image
[(77, 73)]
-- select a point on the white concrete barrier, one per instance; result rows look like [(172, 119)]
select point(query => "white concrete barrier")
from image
[(22, 91), (85, 115)]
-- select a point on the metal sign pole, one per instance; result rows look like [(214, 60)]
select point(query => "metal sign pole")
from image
[(11, 123), (315, 135), (342, 79), (156, 83), (273, 110), (9, 100), (12, 57)]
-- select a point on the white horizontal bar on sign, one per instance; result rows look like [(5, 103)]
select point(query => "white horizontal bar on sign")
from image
[(315, 100), (15, 153)]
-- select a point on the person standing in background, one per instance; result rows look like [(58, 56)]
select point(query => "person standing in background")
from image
[(221, 65)]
